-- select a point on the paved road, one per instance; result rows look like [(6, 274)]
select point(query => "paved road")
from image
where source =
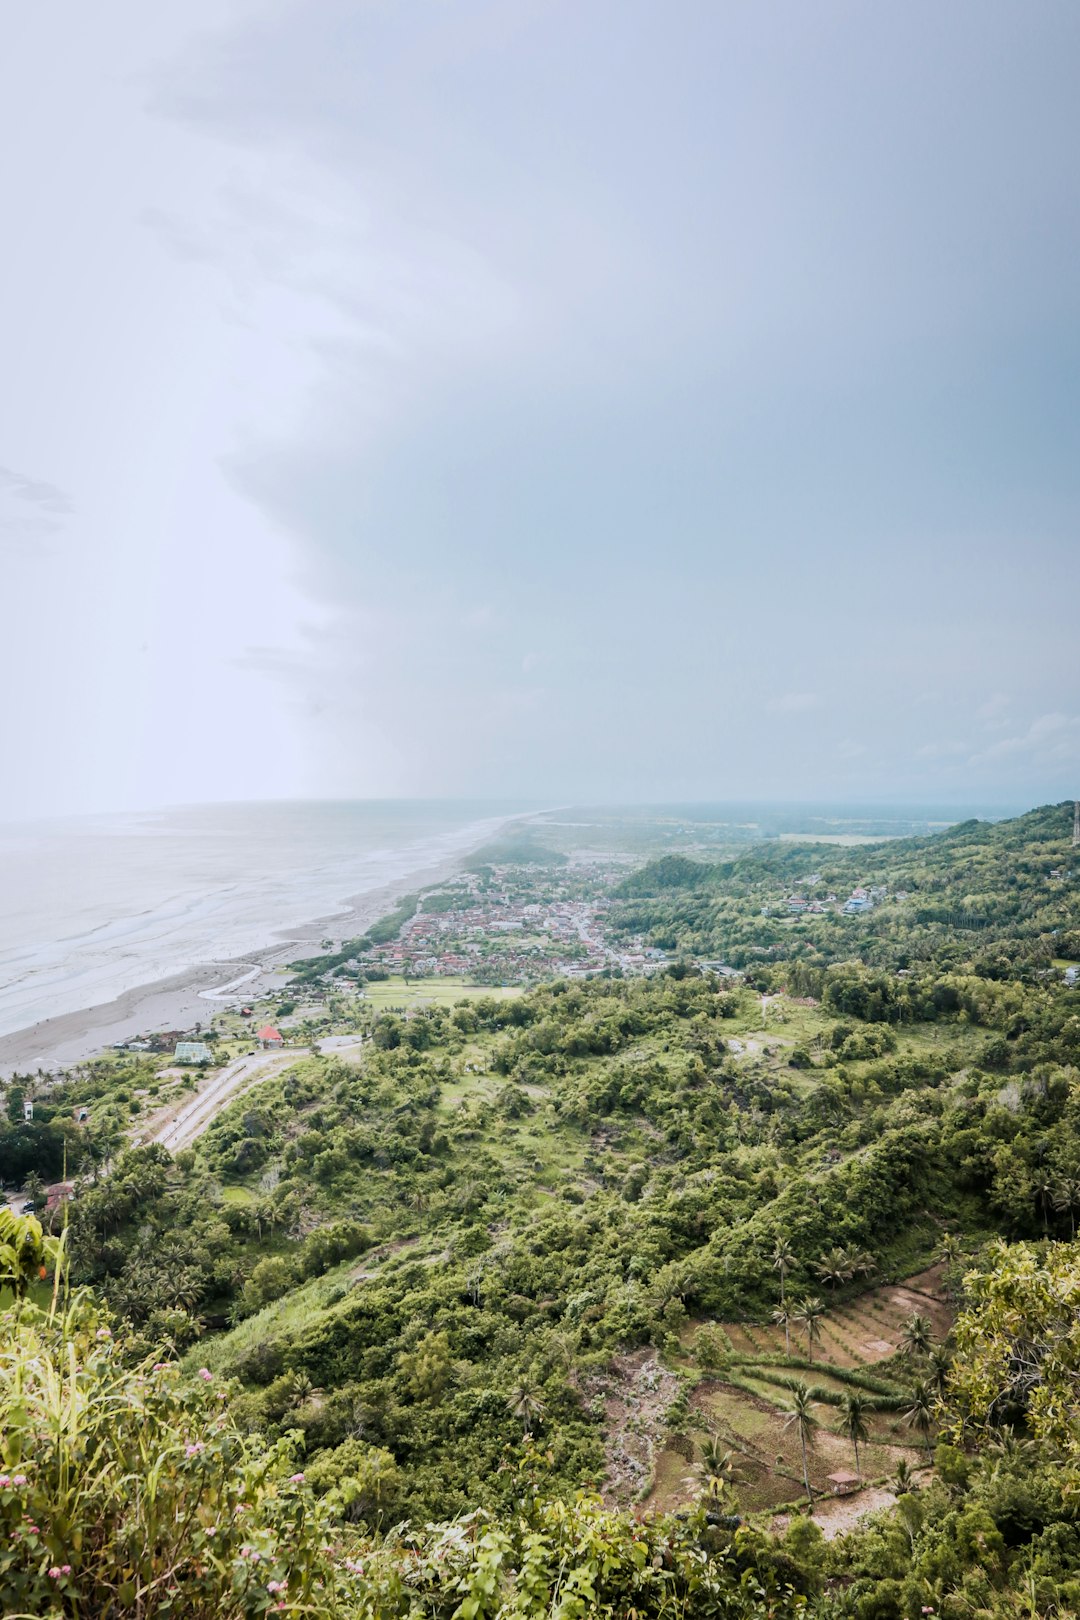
[(199, 1112)]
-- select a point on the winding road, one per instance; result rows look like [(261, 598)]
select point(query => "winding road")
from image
[(199, 1111)]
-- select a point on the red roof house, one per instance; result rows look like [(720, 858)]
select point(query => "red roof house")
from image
[(269, 1036)]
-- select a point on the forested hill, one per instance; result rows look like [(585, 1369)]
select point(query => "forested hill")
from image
[(1003, 896)]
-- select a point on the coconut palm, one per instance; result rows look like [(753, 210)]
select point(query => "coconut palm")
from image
[(939, 1361), (903, 1479), (920, 1414), (801, 1418), (853, 1424), (716, 1471), (783, 1316), (783, 1258), (918, 1335), (1043, 1188), (835, 1267), (526, 1402), (1066, 1199), (809, 1314)]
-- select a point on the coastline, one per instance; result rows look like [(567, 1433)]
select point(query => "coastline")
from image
[(183, 999)]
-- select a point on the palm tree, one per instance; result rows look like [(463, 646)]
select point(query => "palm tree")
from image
[(716, 1472), (939, 1362), (783, 1258), (951, 1251), (782, 1316), (801, 1418), (1043, 1189), (853, 1410), (918, 1335), (903, 1480), (809, 1314), (835, 1267), (920, 1414), (526, 1401), (1066, 1198)]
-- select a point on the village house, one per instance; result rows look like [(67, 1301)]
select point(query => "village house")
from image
[(268, 1036)]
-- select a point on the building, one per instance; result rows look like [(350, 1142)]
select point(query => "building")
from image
[(80, 1115), (843, 1483), (27, 1109), (59, 1193), (192, 1052), (269, 1036)]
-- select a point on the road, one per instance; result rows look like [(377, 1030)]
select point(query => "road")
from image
[(199, 1112)]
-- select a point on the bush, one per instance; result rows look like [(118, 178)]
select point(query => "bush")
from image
[(131, 1492)]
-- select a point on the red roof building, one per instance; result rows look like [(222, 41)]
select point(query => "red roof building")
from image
[(269, 1036)]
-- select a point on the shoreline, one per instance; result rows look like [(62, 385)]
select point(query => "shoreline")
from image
[(193, 995)]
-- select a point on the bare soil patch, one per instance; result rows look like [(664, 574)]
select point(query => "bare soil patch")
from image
[(636, 1392)]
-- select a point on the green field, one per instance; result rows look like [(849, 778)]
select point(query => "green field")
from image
[(394, 995)]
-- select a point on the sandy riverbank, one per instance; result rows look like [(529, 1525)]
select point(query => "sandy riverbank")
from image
[(187, 998)]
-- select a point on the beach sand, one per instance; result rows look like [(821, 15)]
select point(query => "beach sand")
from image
[(180, 1002)]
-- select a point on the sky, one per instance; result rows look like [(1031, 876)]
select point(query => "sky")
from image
[(593, 400)]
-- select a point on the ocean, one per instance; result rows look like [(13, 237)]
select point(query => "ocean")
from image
[(94, 906)]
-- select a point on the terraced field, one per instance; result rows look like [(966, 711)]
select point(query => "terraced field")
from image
[(745, 1404), (857, 1332)]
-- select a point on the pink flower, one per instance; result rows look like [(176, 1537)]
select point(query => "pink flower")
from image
[(5, 1481), (19, 1479), (206, 1375), (160, 1366), (55, 1573), (65, 1569), (103, 1333), (194, 1449), (296, 1479), (276, 1586)]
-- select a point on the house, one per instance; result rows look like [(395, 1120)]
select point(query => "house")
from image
[(269, 1036), (27, 1109), (843, 1483), (80, 1115), (192, 1052), (59, 1193)]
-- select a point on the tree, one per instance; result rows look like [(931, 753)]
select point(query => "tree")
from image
[(1018, 1347), (939, 1362), (918, 1335), (920, 1414), (716, 1471), (809, 1314), (853, 1410), (835, 1267), (801, 1418), (783, 1258), (1066, 1199), (783, 1316), (526, 1401)]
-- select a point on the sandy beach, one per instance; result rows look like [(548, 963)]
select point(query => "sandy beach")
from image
[(185, 999)]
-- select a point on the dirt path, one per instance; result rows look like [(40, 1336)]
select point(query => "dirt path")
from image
[(179, 1130)]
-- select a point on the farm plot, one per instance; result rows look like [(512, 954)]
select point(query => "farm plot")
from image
[(746, 1404), (857, 1332)]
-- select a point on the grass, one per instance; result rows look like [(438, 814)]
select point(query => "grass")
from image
[(391, 994)]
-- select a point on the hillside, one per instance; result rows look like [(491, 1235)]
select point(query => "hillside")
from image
[(601, 1234)]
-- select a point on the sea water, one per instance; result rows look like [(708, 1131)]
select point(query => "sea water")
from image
[(94, 906)]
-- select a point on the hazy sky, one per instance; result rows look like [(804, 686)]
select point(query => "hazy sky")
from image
[(587, 399)]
